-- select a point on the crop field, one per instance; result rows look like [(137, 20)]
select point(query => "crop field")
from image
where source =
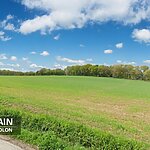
[(62, 112)]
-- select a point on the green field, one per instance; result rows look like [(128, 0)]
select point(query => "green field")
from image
[(115, 106)]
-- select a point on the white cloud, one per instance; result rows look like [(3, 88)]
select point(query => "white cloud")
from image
[(6, 25), (119, 61), (9, 17), (66, 14), (1, 64), (73, 61), (108, 51), (126, 62), (2, 33), (13, 65), (24, 58), (81, 45), (9, 27), (131, 63), (119, 45), (4, 22), (44, 53), (142, 35), (7, 66), (3, 57), (106, 64), (89, 59), (17, 65), (36, 66), (68, 60), (59, 66), (33, 53), (57, 37), (13, 58), (3, 37), (147, 61)]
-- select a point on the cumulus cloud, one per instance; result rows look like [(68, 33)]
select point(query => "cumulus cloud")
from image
[(1, 33), (1, 64), (9, 27), (75, 14), (119, 45), (82, 45), (142, 35), (131, 63), (9, 17), (8, 66), (3, 37), (57, 37), (13, 65), (68, 60), (24, 58), (147, 61), (13, 58), (73, 61), (119, 61), (126, 62), (108, 51), (3, 57), (35, 66), (89, 59), (6, 25), (33, 53), (44, 53), (4, 22), (59, 66)]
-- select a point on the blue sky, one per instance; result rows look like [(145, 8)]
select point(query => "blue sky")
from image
[(56, 34)]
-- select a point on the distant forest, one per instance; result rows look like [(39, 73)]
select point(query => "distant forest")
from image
[(115, 71)]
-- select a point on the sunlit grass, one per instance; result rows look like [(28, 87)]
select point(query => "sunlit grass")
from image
[(120, 107)]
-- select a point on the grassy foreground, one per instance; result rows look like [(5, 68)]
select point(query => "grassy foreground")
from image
[(79, 112)]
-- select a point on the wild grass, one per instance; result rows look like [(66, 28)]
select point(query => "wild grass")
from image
[(52, 133)]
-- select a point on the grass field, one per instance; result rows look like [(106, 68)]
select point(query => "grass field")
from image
[(115, 106)]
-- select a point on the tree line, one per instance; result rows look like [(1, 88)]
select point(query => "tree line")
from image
[(42, 71), (115, 71)]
